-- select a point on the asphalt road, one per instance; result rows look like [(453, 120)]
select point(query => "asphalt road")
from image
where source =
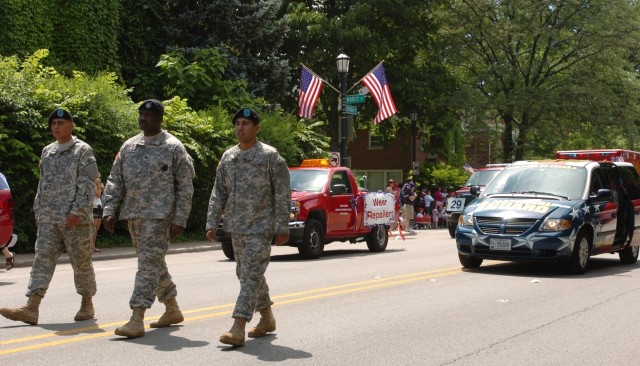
[(410, 305)]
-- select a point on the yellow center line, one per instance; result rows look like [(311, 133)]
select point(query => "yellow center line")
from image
[(299, 297)]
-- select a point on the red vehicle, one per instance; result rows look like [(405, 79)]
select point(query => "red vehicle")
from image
[(326, 206), (612, 155), (7, 237)]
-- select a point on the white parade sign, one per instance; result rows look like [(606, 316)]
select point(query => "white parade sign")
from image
[(379, 209)]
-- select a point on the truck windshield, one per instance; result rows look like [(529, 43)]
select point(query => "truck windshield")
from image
[(309, 180), (558, 180), (481, 177)]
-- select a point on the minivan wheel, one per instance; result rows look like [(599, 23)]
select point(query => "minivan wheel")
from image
[(629, 255), (468, 261), (577, 263)]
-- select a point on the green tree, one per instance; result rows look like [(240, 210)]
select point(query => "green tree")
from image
[(532, 63), (249, 33)]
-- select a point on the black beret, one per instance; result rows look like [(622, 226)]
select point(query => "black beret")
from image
[(60, 114), (152, 105), (247, 113)]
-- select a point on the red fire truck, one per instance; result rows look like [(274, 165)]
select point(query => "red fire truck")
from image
[(613, 155)]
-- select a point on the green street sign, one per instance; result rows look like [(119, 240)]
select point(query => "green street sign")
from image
[(350, 109), (354, 99)]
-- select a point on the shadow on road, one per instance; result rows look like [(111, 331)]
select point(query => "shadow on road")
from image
[(264, 350), (597, 267)]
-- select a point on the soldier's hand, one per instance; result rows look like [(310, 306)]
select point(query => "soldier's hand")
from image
[(281, 239), (211, 234), (176, 230), (109, 223), (72, 220)]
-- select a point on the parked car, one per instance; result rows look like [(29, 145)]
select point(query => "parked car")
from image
[(7, 237), (462, 197), (563, 211)]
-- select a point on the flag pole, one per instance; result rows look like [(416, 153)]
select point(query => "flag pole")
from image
[(323, 80)]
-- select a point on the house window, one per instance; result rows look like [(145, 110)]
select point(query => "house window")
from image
[(376, 142), (377, 179)]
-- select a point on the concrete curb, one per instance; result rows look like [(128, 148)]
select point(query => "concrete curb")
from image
[(26, 260)]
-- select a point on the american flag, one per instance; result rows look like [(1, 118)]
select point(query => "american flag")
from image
[(310, 87), (376, 82)]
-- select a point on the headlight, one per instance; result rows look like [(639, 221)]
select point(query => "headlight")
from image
[(465, 220), (295, 210), (556, 225)]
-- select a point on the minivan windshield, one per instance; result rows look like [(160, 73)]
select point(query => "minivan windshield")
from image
[(557, 180)]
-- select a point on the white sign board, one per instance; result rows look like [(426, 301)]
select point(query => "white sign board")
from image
[(379, 209), (455, 204), (334, 159)]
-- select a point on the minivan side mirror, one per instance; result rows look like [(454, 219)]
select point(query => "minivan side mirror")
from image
[(474, 190), (603, 195)]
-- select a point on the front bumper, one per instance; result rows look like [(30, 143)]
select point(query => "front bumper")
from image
[(536, 246), (452, 218)]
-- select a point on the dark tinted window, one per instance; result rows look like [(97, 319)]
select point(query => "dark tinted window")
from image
[(631, 181)]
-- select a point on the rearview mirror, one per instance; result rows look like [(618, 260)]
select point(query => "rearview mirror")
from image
[(474, 191), (338, 189)]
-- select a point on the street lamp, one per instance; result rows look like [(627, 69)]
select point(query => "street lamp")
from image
[(414, 133), (342, 62)]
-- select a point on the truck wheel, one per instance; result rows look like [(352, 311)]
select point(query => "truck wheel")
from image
[(452, 231), (468, 261), (227, 249), (629, 255), (577, 263), (378, 238), (313, 240)]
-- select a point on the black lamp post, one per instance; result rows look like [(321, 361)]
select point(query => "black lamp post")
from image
[(342, 62), (414, 134)]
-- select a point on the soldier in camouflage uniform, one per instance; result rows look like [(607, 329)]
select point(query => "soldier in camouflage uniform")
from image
[(63, 213), (151, 185), (252, 189)]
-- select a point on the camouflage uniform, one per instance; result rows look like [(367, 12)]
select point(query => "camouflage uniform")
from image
[(151, 184), (252, 188), (66, 186)]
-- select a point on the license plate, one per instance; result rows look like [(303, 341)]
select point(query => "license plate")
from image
[(500, 244)]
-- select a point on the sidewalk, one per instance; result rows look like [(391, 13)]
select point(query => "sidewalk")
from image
[(26, 260)]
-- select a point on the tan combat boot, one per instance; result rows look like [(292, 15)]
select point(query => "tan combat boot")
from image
[(86, 311), (135, 327), (235, 336), (27, 313), (266, 324), (172, 315)]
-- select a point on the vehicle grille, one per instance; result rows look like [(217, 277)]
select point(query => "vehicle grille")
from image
[(498, 225)]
